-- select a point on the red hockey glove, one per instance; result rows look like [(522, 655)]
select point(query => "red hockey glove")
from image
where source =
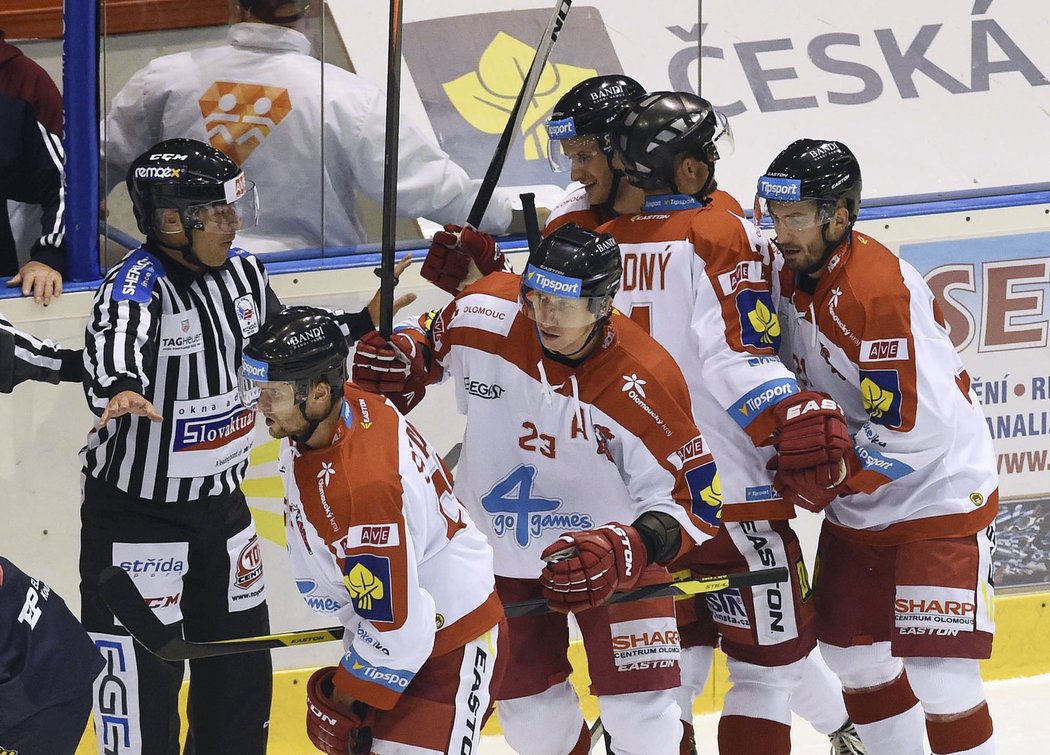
[(811, 435), (585, 568), (332, 729), (382, 366), (448, 259), (809, 488)]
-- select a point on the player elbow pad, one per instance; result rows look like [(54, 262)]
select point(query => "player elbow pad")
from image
[(661, 534)]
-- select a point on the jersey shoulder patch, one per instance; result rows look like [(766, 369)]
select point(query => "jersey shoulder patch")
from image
[(137, 276)]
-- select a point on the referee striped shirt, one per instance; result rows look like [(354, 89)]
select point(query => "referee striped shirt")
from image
[(175, 337), (23, 357)]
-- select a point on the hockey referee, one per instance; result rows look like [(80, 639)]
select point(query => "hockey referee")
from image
[(162, 470)]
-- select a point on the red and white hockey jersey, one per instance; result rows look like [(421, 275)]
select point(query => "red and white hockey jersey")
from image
[(377, 539), (869, 333), (698, 279), (549, 448)]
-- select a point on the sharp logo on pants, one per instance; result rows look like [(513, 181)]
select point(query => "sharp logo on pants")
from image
[(645, 643)]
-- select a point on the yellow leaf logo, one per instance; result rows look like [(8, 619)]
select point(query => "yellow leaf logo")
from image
[(486, 96), (765, 322), (364, 587), (712, 495), (877, 401)]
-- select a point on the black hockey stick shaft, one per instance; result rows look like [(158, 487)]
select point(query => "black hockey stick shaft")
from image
[(517, 114), (118, 591), (532, 223), (123, 598), (680, 588), (387, 282)]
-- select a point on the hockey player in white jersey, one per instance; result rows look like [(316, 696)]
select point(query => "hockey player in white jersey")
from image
[(579, 442), (696, 276), (905, 552), (377, 538)]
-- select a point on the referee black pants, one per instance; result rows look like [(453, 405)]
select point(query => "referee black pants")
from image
[(198, 559)]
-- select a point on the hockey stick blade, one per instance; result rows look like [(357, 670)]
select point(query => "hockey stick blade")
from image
[(679, 588), (118, 591)]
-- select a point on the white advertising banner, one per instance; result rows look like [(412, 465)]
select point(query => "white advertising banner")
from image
[(938, 96)]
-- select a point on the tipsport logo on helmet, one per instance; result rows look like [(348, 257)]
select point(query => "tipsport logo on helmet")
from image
[(254, 369), (780, 189), (562, 129), (552, 283)]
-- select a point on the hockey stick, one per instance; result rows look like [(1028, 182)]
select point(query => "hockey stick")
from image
[(120, 594), (387, 281), (517, 114)]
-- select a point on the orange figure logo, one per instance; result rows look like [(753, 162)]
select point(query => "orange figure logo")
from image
[(238, 117)]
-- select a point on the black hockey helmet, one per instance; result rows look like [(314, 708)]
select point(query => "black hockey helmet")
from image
[(652, 132), (574, 263), (587, 110), (277, 11), (818, 169), (293, 350), (208, 189)]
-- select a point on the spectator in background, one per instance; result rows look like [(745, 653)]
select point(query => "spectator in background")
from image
[(311, 134), (31, 171)]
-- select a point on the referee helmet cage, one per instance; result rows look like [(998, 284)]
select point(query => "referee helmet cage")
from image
[(207, 188)]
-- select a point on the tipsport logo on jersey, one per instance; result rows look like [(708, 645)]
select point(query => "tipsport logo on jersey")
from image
[(469, 89)]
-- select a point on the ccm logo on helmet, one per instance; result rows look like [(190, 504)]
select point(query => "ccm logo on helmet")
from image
[(169, 156), (811, 406), (783, 189)]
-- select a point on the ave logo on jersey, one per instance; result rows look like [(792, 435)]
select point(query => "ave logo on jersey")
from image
[(238, 117), (885, 350), (759, 326), (367, 579), (880, 391)]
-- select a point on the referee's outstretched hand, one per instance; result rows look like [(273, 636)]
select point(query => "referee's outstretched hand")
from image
[(128, 402)]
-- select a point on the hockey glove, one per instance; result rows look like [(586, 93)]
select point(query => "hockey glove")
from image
[(382, 366), (811, 435), (332, 729), (448, 260), (810, 488), (585, 568)]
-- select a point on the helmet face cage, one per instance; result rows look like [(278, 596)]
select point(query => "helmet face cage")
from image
[(572, 277), (650, 134), (217, 216), (808, 169), (295, 349), (207, 188), (587, 110)]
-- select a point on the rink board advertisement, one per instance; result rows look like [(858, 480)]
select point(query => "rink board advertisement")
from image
[(941, 86), (995, 296)]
